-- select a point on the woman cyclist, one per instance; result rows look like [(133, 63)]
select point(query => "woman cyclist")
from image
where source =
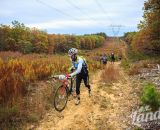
[(80, 71)]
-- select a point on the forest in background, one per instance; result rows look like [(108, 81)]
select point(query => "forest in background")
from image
[(20, 38), (147, 39)]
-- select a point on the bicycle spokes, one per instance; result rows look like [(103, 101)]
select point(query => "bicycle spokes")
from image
[(62, 90), (62, 93), (60, 99)]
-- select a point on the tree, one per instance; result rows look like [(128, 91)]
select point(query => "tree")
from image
[(4, 34), (11, 44), (51, 43), (82, 43), (18, 37), (149, 29), (39, 41), (128, 37), (25, 46)]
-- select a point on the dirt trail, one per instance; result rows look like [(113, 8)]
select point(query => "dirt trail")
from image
[(108, 108)]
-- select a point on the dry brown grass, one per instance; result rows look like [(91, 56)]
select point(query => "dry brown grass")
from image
[(136, 67), (134, 70), (5, 55), (110, 74), (118, 47), (16, 73)]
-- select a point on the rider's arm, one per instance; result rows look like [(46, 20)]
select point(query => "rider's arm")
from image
[(72, 66), (78, 70), (71, 69)]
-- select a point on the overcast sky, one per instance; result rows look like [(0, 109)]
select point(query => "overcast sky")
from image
[(74, 16)]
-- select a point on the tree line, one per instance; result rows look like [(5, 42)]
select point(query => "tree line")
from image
[(18, 37), (147, 38)]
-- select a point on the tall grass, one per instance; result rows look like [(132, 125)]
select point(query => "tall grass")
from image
[(12, 82), (6, 55), (110, 74), (17, 73)]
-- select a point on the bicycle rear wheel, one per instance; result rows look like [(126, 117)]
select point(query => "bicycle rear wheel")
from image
[(60, 98)]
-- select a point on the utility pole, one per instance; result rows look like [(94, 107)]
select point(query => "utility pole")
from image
[(116, 30)]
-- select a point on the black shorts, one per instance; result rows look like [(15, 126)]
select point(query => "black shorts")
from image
[(79, 78), (104, 62)]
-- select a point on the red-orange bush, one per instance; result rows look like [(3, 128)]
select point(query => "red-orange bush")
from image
[(12, 82), (17, 73)]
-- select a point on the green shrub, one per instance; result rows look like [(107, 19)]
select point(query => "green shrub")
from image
[(33, 117), (151, 96), (136, 56), (138, 128), (6, 113), (125, 64)]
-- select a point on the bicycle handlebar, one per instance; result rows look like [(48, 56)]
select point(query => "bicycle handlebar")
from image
[(53, 77), (60, 77)]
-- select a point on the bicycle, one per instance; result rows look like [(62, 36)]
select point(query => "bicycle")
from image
[(63, 91)]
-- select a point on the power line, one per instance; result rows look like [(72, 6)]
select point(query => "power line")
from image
[(83, 12), (78, 8), (116, 32), (103, 10), (64, 13), (57, 10), (118, 29), (112, 26)]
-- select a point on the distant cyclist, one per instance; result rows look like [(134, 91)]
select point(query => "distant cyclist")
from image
[(79, 66), (103, 59), (112, 58)]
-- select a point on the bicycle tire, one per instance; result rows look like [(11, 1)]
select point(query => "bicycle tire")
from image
[(55, 99)]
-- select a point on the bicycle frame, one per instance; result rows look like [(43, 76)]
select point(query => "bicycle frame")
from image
[(65, 81), (62, 92)]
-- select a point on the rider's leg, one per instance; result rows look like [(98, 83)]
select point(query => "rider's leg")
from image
[(78, 83), (86, 82)]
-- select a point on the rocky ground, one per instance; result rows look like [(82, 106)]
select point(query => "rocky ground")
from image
[(150, 74)]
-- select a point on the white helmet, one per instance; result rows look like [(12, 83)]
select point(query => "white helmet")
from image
[(72, 51)]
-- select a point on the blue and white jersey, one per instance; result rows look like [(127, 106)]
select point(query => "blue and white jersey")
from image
[(75, 64), (78, 64)]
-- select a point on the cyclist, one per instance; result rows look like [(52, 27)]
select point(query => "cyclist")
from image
[(104, 59), (81, 72), (112, 58)]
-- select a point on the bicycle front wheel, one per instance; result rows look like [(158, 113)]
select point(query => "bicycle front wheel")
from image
[(60, 98)]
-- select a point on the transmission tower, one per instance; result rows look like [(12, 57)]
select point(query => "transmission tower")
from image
[(116, 30)]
